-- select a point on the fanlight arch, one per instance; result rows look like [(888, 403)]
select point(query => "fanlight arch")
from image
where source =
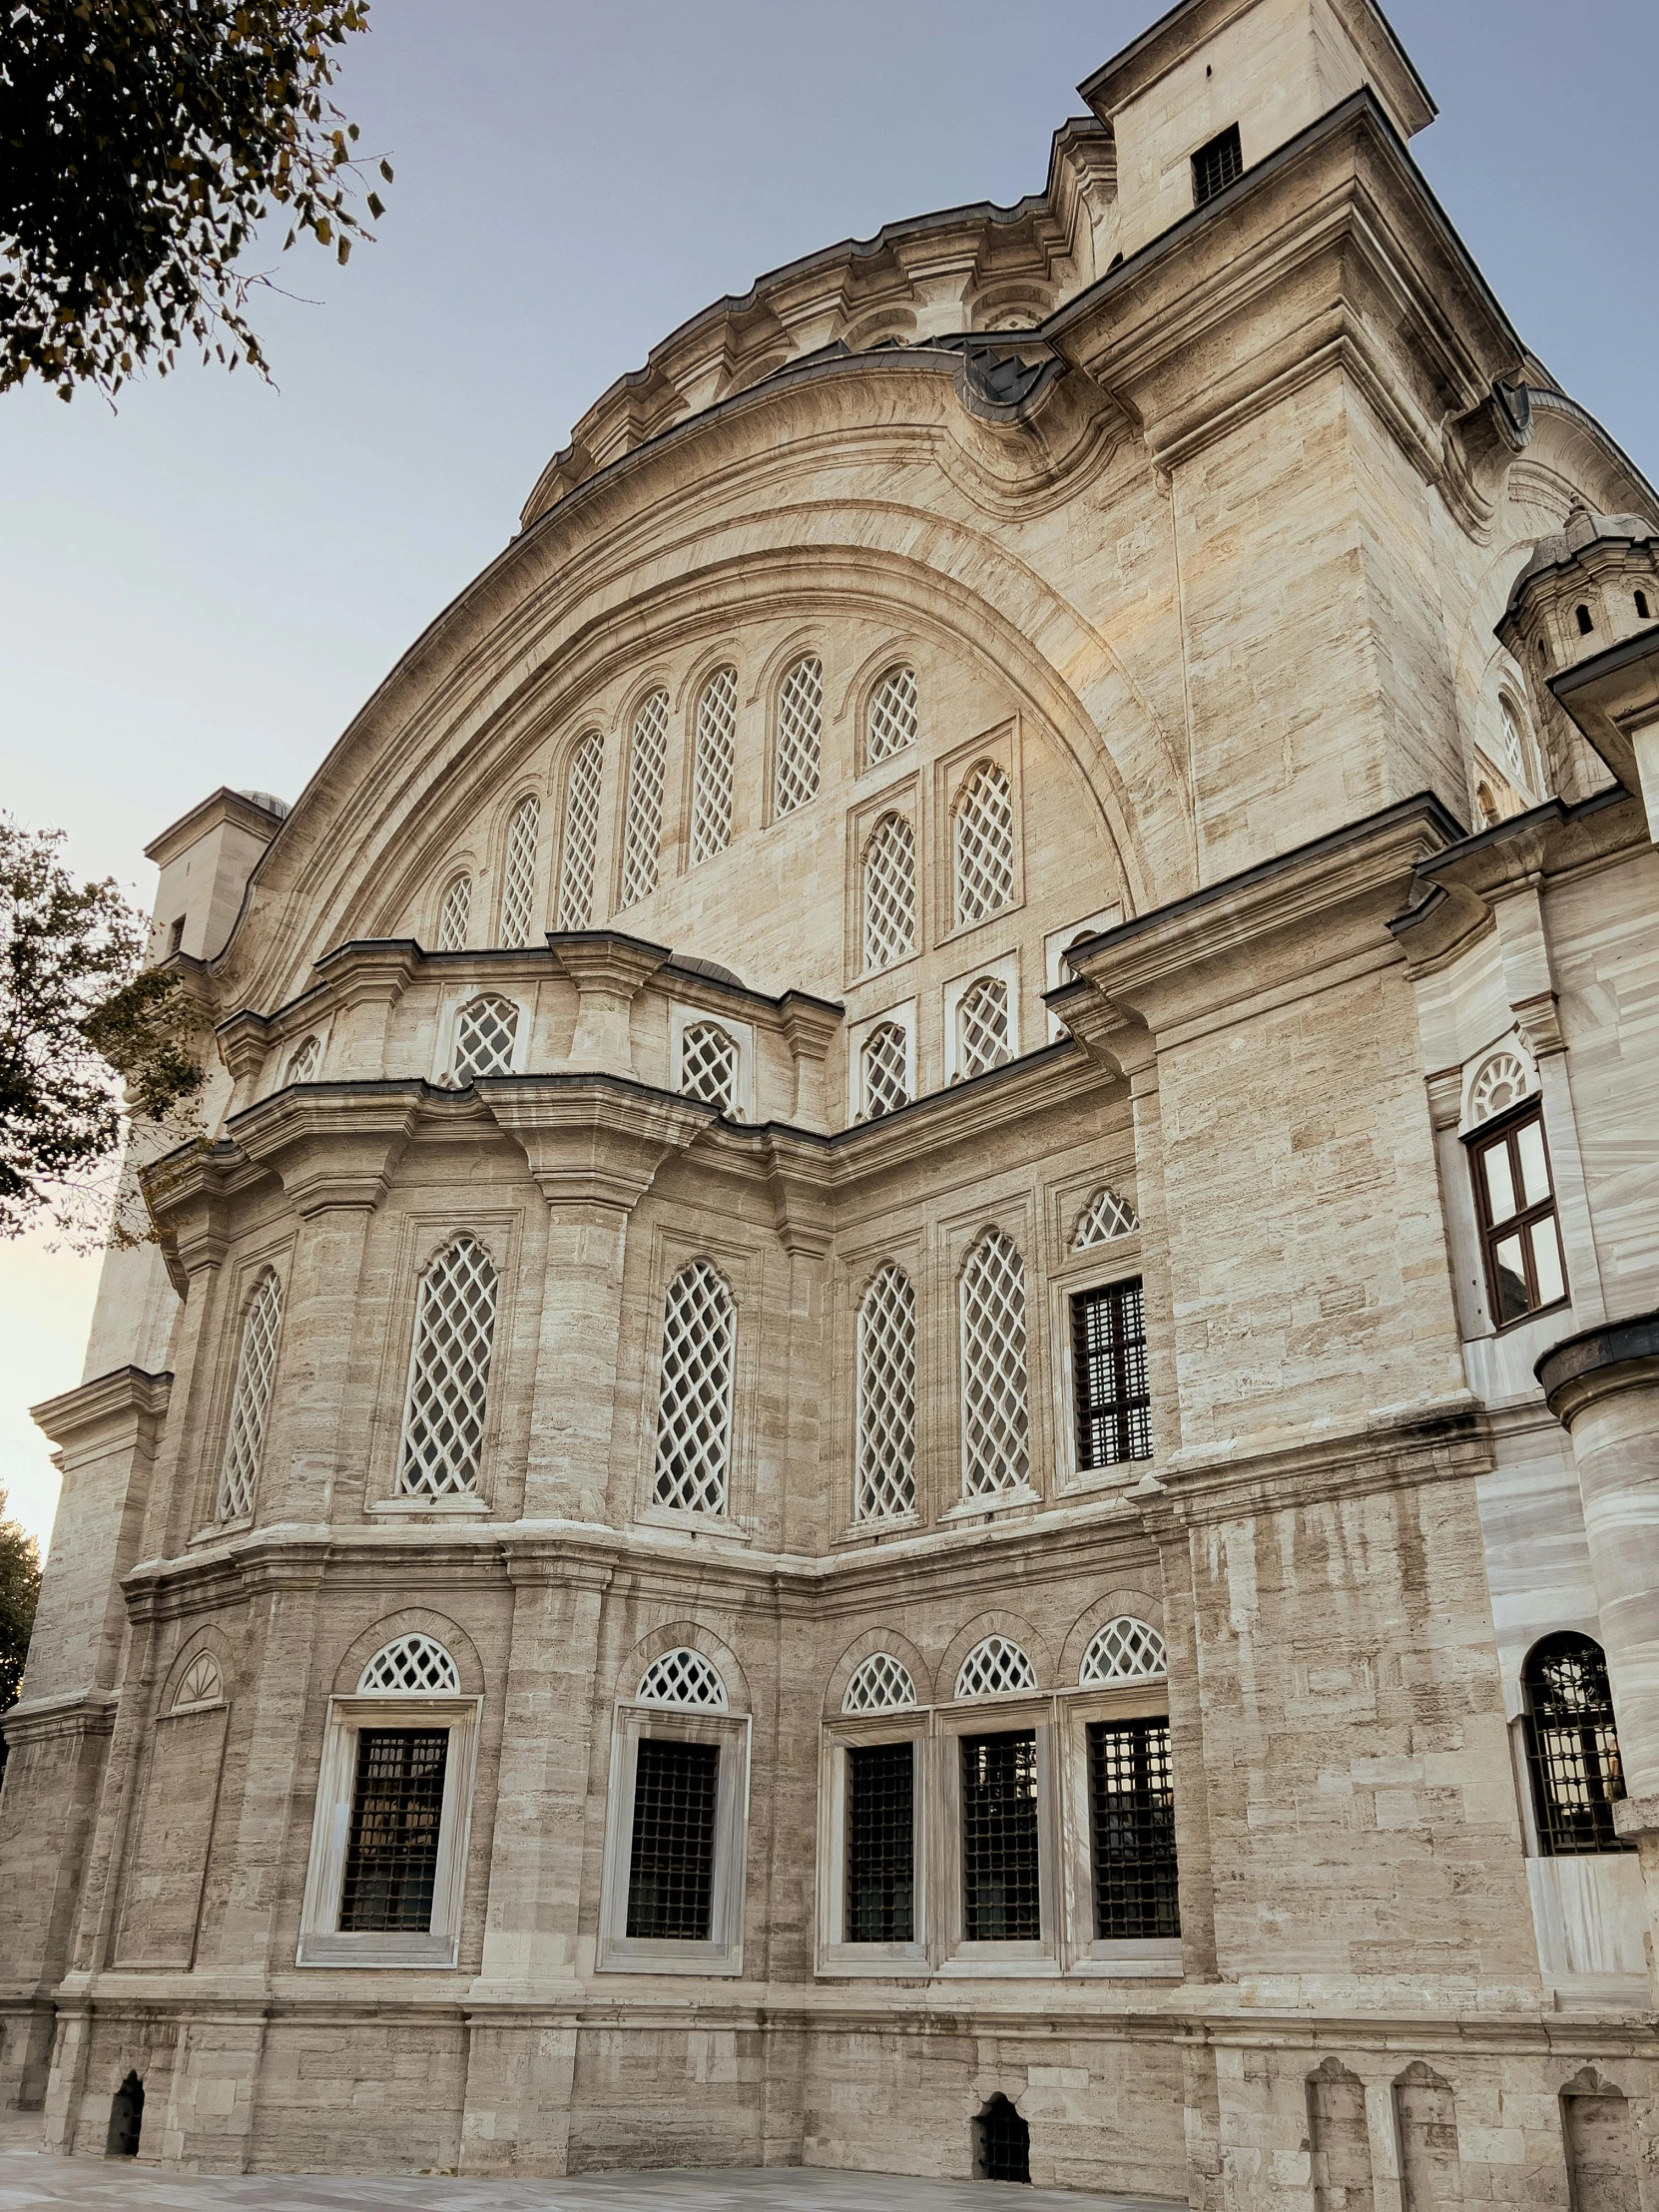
[(411, 1666), (1125, 1650), (878, 1683), (996, 1667), (683, 1677)]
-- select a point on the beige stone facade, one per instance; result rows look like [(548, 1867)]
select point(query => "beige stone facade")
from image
[(1050, 751)]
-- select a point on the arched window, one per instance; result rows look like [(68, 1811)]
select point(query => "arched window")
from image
[(878, 1683), (982, 1027), (708, 1065), (201, 1686), (1487, 799), (795, 757), (251, 1397), (887, 1398), (1104, 1218), (891, 723), (1501, 1082), (883, 1069), (485, 1033), (453, 916), (682, 1678), (1125, 1650), (1573, 1746), (1586, 622), (717, 722), (889, 892), (581, 833), (450, 1371), (984, 843), (647, 770), (1642, 614), (411, 1666), (995, 1439), (518, 875), (1514, 749), (694, 1410), (306, 1059), (995, 1668)]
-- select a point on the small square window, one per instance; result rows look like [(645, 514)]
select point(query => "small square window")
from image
[(1217, 165)]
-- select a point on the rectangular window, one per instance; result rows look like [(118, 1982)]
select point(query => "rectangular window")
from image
[(392, 1853), (1114, 1403), (1515, 1200), (1132, 1830), (672, 1865), (1000, 1891), (880, 1844), (1217, 165)]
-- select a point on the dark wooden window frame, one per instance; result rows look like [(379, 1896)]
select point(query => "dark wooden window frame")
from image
[(1504, 1129), (1127, 1410)]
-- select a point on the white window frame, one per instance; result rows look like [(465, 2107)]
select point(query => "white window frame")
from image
[(1006, 970), (722, 1954), (321, 1940), (1095, 1268), (449, 1014), (902, 1016), (995, 1716), (1149, 1957), (682, 1015), (895, 1724)]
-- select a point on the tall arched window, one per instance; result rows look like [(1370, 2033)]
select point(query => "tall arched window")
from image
[(581, 833), (982, 1027), (453, 916), (694, 1410), (643, 829), (449, 1373), (984, 843), (995, 1427), (486, 1030), (1515, 752), (887, 1398), (890, 725), (1573, 1746), (717, 722), (884, 1071), (889, 892), (251, 1397), (795, 758), (518, 875)]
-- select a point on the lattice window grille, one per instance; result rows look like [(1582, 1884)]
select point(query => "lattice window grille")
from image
[(443, 1418), (709, 1061), (1125, 1650), (647, 768), (995, 1668), (984, 843), (887, 1074), (1503, 1082), (879, 1684), (453, 916), (889, 893), (581, 834), (1103, 1219), (682, 1678), (411, 1666), (995, 1431), (306, 1059), (887, 1397), (486, 1030), (800, 734), (518, 893), (717, 722), (892, 722), (982, 1027), (202, 1685), (251, 1399), (1513, 748), (694, 1411)]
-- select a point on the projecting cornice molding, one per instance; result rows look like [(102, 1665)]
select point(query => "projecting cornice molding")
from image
[(337, 1144), (124, 1407), (593, 1141)]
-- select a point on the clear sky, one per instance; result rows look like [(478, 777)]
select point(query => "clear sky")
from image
[(200, 587)]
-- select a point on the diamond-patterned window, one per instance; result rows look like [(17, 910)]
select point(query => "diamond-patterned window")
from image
[(202, 1685), (694, 1411), (709, 1063), (1503, 1082), (251, 1397), (799, 735), (886, 1397), (643, 829), (450, 1371), (682, 1678), (884, 1071), (1105, 1217), (411, 1666), (985, 841), (995, 1668), (453, 916), (1125, 1650), (889, 892), (995, 1430), (306, 1060), (890, 725), (878, 1683), (581, 834), (1512, 747), (485, 1033), (717, 723), (982, 1027), (518, 881)]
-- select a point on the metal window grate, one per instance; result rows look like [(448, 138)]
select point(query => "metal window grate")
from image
[(1105, 1217), (889, 892), (1217, 165), (443, 1418), (985, 841), (886, 1064), (411, 1666), (1001, 1900), (1109, 1376), (1001, 2143), (694, 1412), (486, 1030), (995, 1430), (880, 1844), (682, 1678), (251, 1397), (518, 888), (878, 1685), (453, 916), (672, 1866), (305, 1060), (892, 722), (391, 1853), (1132, 1826), (1573, 1747), (995, 1668), (712, 776), (982, 1027), (886, 1397), (800, 728), (581, 833), (1125, 1650), (709, 1064), (647, 770)]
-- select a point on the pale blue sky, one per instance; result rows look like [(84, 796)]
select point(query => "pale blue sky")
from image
[(202, 587)]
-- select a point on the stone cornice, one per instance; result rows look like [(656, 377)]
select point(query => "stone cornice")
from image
[(337, 1144), (127, 1404), (592, 1139), (67, 1713), (189, 1193)]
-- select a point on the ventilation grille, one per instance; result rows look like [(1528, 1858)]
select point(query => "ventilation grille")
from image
[(889, 893), (444, 1422), (879, 1684), (799, 723), (994, 1426), (647, 765), (693, 1416), (887, 1397), (995, 1668), (518, 897), (251, 1399), (411, 1666), (892, 715), (581, 839), (717, 722), (984, 844), (682, 1678)]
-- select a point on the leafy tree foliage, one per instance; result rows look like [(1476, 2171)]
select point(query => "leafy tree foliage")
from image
[(18, 1592), (142, 145)]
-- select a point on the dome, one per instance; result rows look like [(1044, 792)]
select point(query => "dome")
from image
[(1583, 529)]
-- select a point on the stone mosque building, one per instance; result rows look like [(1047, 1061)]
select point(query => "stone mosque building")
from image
[(909, 1414)]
